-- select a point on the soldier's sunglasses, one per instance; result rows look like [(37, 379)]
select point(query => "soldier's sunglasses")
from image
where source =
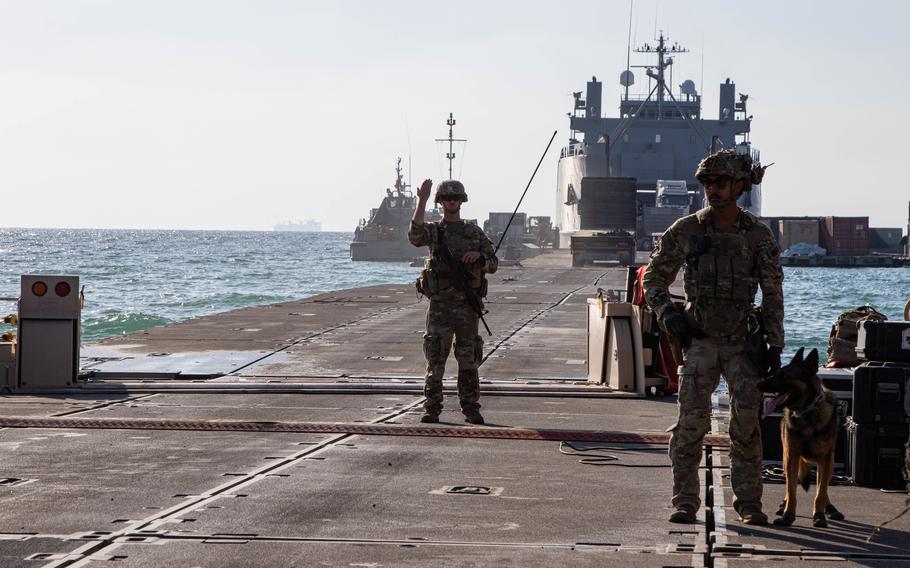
[(450, 198), (716, 181)]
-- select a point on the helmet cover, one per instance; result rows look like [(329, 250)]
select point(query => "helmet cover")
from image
[(732, 165), (450, 187)]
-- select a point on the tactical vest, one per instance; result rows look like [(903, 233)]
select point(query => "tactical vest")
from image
[(721, 278), (434, 278)]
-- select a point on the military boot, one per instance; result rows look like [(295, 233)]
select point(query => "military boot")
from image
[(473, 417), (683, 514), (429, 417), (752, 515)]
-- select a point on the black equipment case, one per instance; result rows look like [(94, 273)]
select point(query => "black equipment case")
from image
[(880, 392), (876, 454), (887, 341)]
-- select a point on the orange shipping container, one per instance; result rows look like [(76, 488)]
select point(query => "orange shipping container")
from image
[(844, 236)]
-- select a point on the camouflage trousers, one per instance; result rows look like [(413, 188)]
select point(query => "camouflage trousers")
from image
[(450, 319), (705, 361)]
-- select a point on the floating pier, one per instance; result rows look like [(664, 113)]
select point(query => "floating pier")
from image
[(288, 435)]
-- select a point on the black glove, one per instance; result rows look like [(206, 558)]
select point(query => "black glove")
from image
[(676, 325), (773, 359)]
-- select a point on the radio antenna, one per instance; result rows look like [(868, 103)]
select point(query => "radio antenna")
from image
[(450, 155), (506, 230), (407, 128), (629, 45)]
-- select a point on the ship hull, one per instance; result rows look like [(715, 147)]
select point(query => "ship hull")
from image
[(571, 170)]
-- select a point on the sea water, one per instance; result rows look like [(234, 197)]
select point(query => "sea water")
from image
[(136, 279)]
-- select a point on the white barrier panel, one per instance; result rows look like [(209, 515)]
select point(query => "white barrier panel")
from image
[(48, 331), (615, 346)]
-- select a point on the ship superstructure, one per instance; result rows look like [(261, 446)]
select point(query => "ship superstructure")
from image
[(660, 135)]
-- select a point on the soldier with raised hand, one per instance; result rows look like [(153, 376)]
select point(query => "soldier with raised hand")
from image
[(728, 254), (451, 316)]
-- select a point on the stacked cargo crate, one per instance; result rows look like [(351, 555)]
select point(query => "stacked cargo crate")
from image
[(844, 236), (878, 428)]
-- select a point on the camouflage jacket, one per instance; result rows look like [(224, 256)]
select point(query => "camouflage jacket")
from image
[(461, 237), (723, 270)]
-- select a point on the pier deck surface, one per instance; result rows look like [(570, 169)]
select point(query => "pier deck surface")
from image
[(167, 497)]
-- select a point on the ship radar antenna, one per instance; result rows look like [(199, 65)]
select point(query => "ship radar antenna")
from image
[(450, 155), (666, 55)]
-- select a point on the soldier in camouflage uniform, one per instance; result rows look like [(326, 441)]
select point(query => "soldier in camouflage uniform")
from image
[(907, 445), (450, 316), (727, 254)]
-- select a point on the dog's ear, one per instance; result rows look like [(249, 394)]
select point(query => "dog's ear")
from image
[(811, 362), (798, 358)]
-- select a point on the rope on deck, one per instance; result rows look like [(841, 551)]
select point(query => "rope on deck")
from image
[(718, 441)]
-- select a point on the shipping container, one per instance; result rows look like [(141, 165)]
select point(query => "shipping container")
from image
[(608, 203), (659, 219), (794, 231), (885, 239), (772, 223), (844, 236)]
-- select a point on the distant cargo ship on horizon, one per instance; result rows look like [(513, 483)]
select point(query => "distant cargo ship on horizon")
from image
[(309, 226)]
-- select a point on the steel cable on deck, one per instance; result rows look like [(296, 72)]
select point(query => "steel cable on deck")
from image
[(606, 459)]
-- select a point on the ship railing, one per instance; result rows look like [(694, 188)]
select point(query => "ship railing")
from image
[(572, 150), (680, 99)]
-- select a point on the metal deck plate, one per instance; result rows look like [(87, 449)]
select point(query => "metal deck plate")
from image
[(414, 554), (194, 498), (129, 361)]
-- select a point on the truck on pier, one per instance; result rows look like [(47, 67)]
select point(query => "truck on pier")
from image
[(608, 211)]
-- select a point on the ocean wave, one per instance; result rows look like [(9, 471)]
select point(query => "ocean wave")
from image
[(95, 327), (233, 300)]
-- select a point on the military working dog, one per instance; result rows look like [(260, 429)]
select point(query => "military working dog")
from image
[(808, 432)]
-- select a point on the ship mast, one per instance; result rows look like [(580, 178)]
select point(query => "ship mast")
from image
[(399, 182), (631, 109), (663, 63), (450, 155)]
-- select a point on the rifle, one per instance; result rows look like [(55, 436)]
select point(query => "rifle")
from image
[(459, 277)]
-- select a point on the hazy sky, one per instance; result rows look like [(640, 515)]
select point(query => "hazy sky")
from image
[(239, 115)]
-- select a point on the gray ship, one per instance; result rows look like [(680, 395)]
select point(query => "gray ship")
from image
[(657, 138), (384, 235), (308, 226)]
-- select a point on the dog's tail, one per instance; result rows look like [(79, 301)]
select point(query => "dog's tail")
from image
[(803, 476)]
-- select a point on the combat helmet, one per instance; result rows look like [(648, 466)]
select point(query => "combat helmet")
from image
[(732, 165), (450, 187)]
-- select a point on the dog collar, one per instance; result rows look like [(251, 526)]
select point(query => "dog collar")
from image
[(809, 409)]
